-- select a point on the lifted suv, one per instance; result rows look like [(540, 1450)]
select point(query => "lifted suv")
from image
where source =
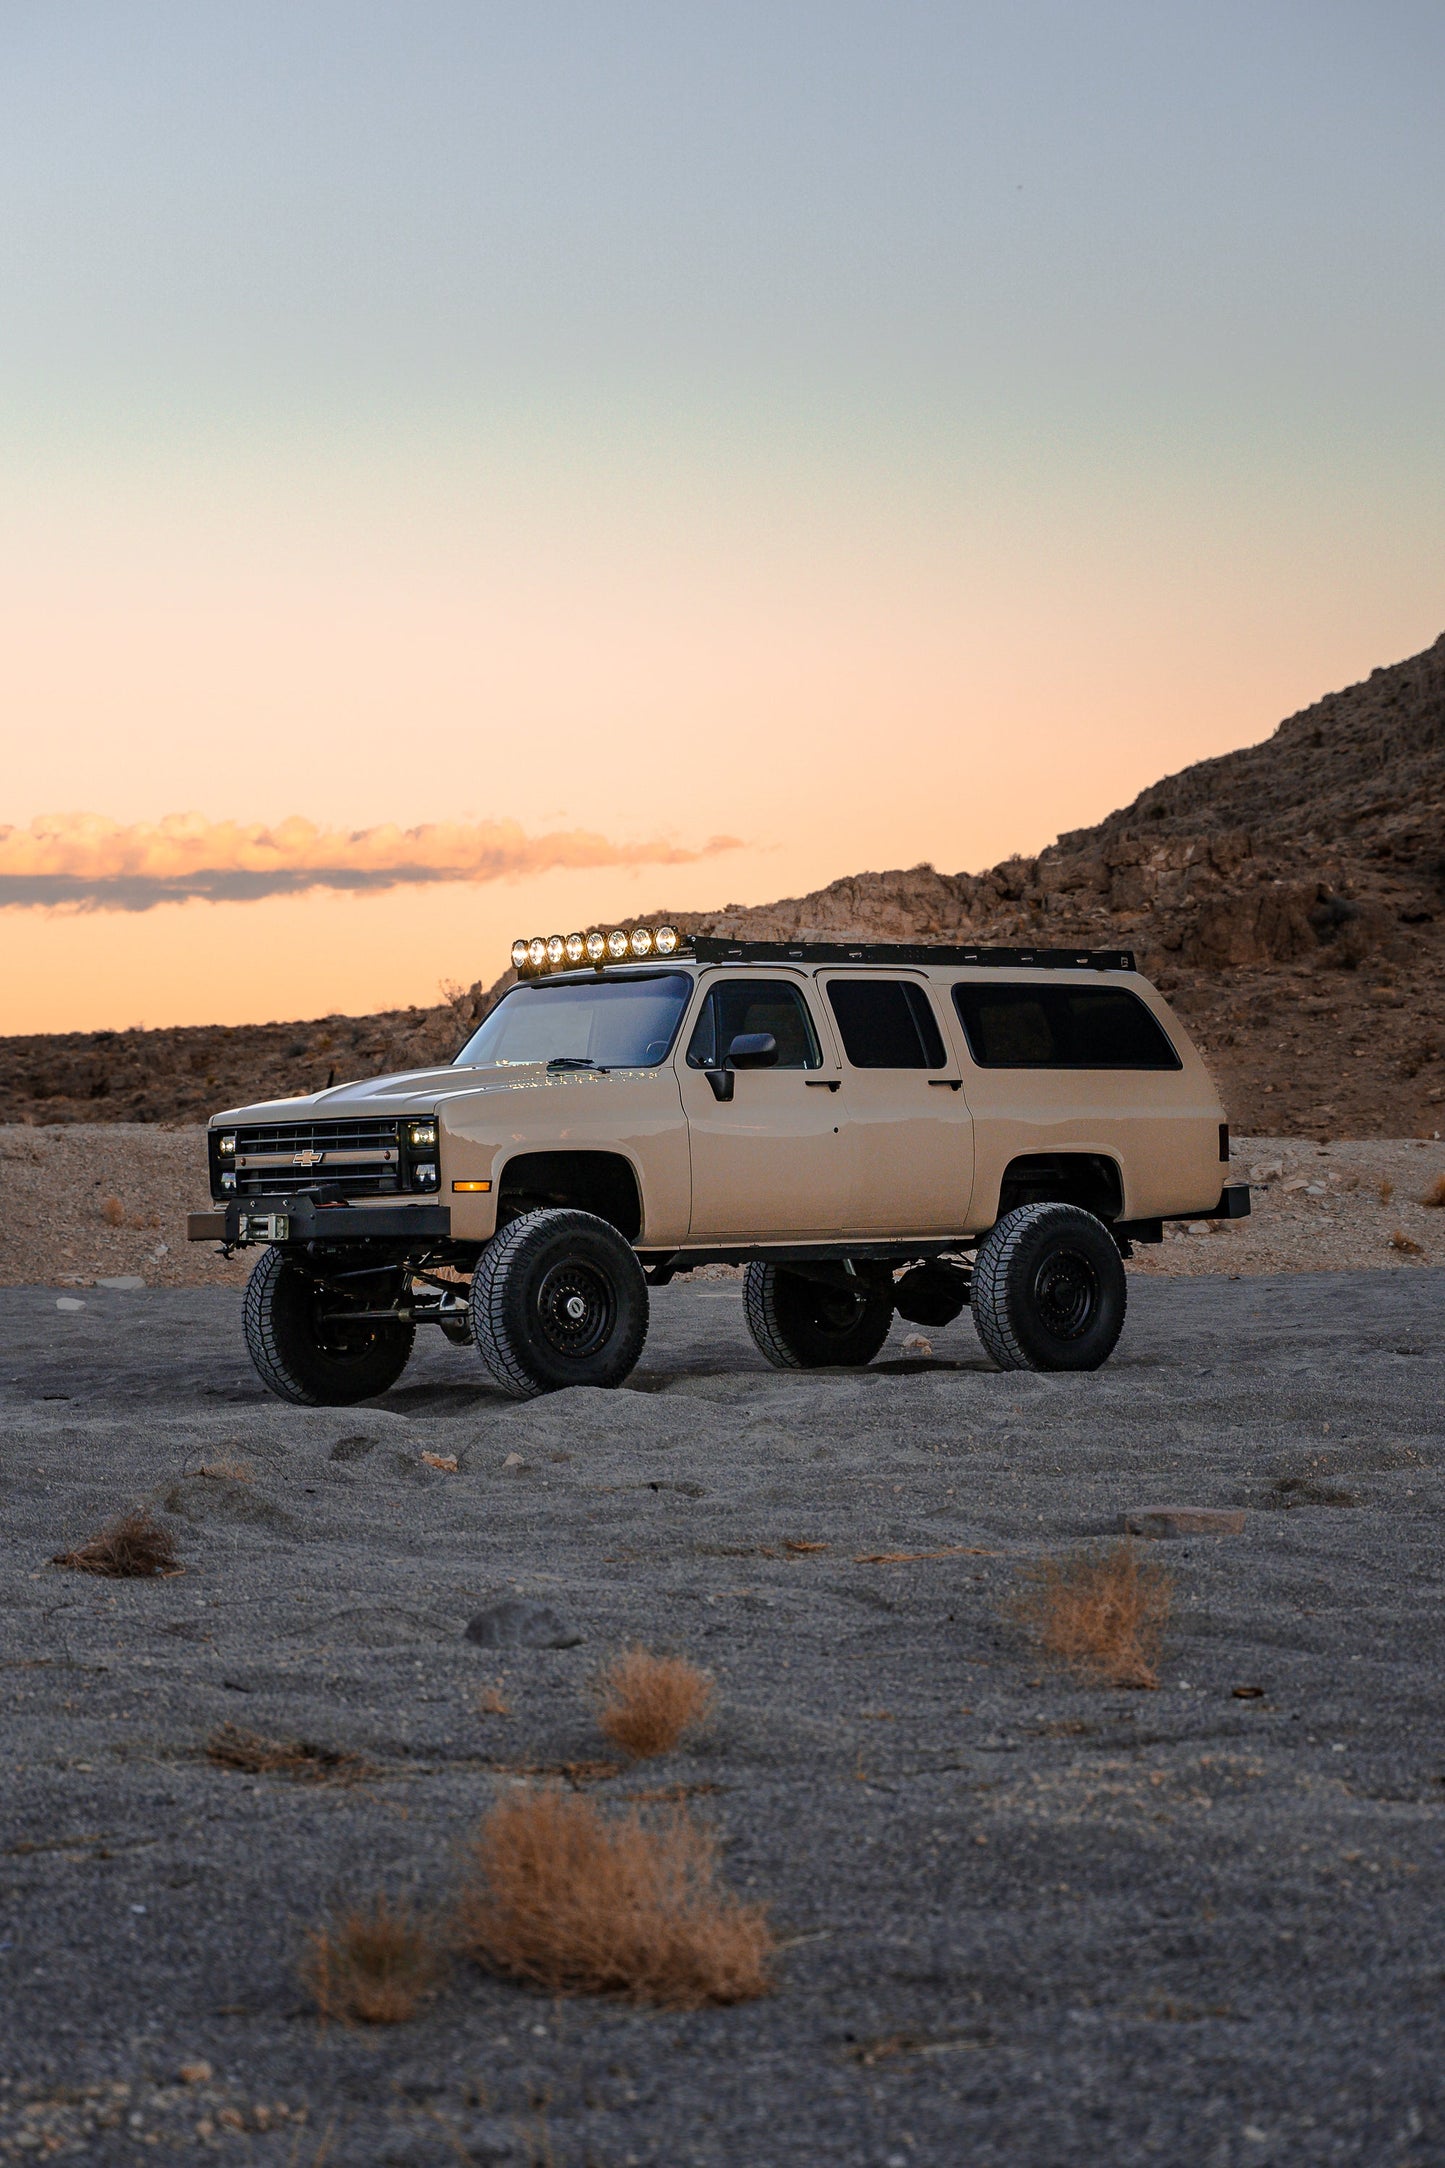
[(868, 1130)]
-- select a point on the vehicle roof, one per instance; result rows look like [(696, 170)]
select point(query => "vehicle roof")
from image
[(700, 954)]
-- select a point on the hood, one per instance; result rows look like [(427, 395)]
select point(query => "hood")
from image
[(415, 1091)]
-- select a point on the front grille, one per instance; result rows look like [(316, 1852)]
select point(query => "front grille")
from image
[(359, 1157)]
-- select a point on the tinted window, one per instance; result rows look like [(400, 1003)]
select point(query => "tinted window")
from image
[(741, 1005), (1061, 1027), (614, 1023), (885, 1024)]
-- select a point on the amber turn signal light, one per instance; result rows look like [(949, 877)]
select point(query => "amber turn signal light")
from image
[(469, 1187)]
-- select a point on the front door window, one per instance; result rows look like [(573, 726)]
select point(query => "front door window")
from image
[(739, 1006)]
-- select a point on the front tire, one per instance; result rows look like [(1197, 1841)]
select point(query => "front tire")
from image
[(315, 1360), (558, 1299), (1049, 1291), (803, 1324)]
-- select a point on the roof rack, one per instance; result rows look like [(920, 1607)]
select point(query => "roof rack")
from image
[(706, 949), (541, 956)]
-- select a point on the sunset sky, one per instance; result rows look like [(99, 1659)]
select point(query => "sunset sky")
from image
[(670, 453)]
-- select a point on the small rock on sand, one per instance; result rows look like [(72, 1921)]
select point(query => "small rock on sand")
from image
[(1185, 1521), (518, 1624)]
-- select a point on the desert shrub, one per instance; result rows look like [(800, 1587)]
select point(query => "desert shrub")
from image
[(230, 1747), (1387, 1191), (1102, 1614), (570, 1901), (1402, 1242), (133, 1548), (371, 1964), (1435, 1194), (650, 1702), (112, 1211)]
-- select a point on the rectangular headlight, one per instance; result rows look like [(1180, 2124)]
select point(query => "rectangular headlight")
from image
[(421, 1135)]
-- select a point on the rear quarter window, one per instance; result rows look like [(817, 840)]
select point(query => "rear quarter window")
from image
[(1061, 1027)]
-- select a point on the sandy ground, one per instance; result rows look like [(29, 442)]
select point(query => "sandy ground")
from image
[(1025, 1920), (81, 1203)]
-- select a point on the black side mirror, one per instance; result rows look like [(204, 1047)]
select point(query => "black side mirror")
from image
[(749, 1050), (753, 1050)]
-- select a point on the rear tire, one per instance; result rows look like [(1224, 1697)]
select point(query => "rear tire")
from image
[(558, 1299), (316, 1361), (1049, 1290), (803, 1324)]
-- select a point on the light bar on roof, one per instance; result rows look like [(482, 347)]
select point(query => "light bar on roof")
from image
[(536, 955)]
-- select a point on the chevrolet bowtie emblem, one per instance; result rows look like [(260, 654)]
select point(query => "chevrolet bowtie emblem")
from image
[(307, 1158)]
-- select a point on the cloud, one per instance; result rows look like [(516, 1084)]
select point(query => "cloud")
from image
[(82, 862)]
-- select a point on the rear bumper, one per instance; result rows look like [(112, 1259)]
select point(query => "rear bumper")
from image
[(324, 1223), (1233, 1205)]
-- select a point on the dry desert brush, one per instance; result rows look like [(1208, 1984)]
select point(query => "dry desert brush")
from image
[(649, 1703), (568, 1900), (372, 1963), (133, 1548), (1103, 1614), (250, 1752)]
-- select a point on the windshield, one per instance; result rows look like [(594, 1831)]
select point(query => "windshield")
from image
[(597, 1023)]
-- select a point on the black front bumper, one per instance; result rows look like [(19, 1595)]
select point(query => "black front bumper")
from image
[(311, 1222)]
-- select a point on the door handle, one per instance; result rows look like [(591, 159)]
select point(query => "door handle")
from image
[(821, 1083), (947, 1083)]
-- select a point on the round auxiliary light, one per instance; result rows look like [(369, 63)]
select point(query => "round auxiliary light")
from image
[(519, 955), (536, 952), (556, 950), (665, 940), (596, 947), (642, 941), (617, 946), (576, 948)]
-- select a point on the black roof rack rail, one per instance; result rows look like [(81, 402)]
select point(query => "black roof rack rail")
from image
[(708, 949)]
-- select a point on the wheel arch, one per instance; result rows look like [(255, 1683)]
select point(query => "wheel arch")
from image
[(604, 1183), (1092, 1180)]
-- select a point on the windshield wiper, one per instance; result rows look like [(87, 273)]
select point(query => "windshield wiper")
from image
[(571, 1061)]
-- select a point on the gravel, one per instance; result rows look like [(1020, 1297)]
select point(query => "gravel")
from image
[(1024, 1919)]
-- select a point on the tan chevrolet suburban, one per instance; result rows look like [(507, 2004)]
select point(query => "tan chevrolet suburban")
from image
[(868, 1130)]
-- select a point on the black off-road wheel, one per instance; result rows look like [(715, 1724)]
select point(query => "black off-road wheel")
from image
[(306, 1355), (1049, 1291), (805, 1324), (558, 1299)]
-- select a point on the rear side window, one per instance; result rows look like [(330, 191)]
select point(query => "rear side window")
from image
[(1061, 1027), (885, 1024), (746, 1005)]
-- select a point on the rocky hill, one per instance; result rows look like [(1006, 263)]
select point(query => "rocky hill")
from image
[(1290, 899)]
